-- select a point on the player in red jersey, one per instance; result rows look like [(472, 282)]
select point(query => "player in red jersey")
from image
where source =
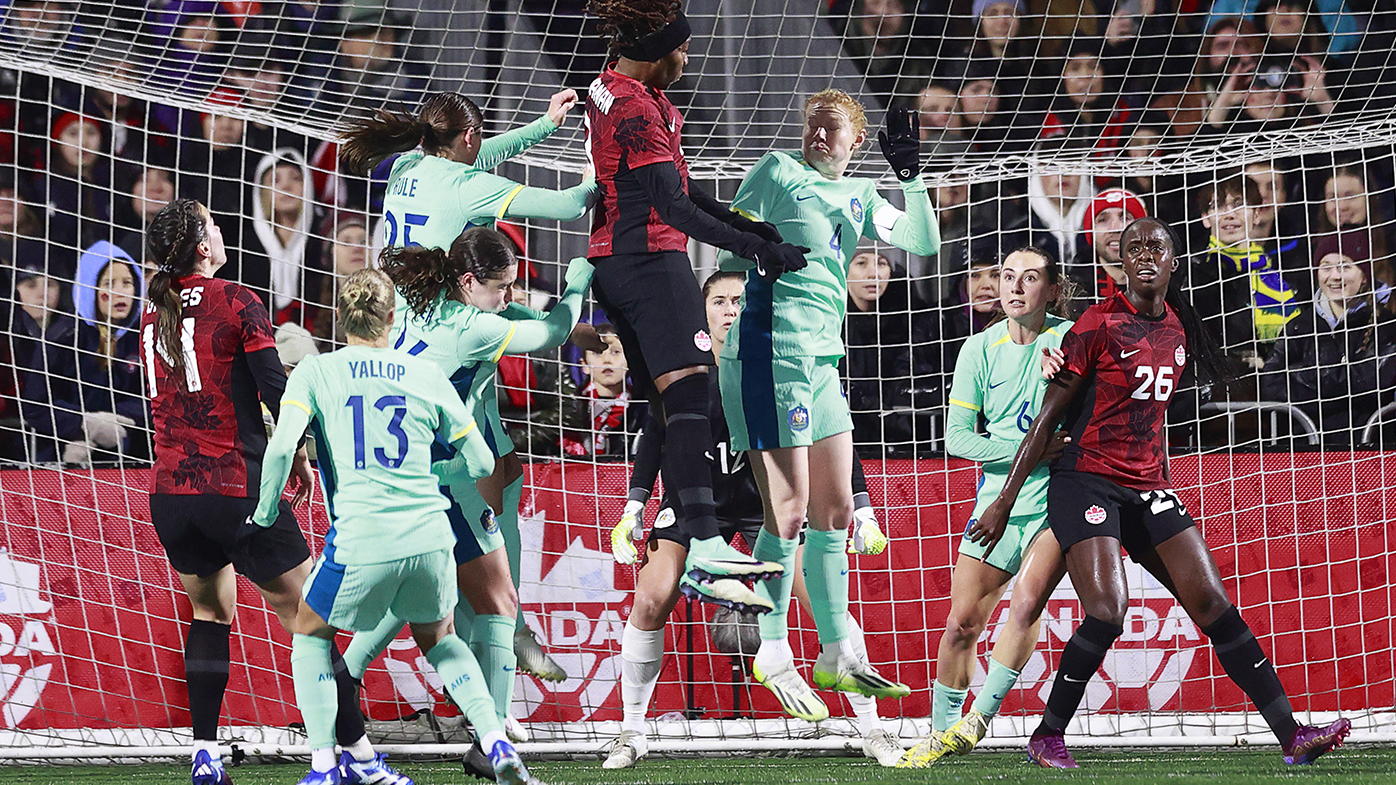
[(210, 362), (644, 281), (1112, 383)]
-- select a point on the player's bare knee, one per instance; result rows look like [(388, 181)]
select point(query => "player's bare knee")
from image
[(963, 630)]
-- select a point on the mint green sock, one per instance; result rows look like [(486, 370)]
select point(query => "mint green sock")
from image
[(775, 626), (465, 684), (316, 695), (492, 643), (513, 542), (996, 686), (945, 706), (366, 646), (826, 579), (465, 619)]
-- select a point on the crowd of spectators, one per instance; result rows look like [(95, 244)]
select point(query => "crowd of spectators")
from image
[(1287, 259)]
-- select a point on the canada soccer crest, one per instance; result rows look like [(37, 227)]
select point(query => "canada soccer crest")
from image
[(1095, 515)]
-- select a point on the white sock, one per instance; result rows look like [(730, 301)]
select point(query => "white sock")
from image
[(323, 760), (488, 741), (865, 709), (641, 659), (774, 655), (845, 647), (205, 744), (855, 638), (362, 750)]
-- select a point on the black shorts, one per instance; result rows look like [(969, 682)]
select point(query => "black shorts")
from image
[(203, 534), (657, 309), (667, 527), (1081, 506)]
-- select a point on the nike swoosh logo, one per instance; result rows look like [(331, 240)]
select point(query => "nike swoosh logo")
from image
[(1123, 355), (1075, 681), (1258, 664), (1000, 384), (803, 198)]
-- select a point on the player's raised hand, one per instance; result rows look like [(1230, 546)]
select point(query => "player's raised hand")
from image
[(900, 141), (560, 104), (585, 337), (1055, 446), (628, 531), (773, 259), (1053, 360), (302, 478)]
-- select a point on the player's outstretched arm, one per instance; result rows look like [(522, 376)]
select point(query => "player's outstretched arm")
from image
[(569, 204), (534, 334), (916, 230), (276, 462), (498, 149)]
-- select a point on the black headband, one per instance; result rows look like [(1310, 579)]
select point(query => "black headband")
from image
[(657, 45)]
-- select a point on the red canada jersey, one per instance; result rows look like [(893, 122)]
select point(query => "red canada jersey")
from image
[(1130, 365), (629, 125), (209, 436)]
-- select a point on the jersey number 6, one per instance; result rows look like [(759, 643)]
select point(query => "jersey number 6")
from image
[(398, 403)]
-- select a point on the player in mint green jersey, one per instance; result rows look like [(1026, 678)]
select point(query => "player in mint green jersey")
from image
[(998, 381), (452, 311), (779, 374), (376, 415), (440, 190)]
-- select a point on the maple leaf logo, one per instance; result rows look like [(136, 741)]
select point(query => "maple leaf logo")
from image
[(200, 416), (631, 132), (193, 469)]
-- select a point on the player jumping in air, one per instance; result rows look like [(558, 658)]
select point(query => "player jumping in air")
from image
[(1117, 369), (998, 380), (780, 379), (644, 280), (377, 414), (740, 510), (435, 193), (210, 362)]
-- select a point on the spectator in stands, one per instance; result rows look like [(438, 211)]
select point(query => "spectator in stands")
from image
[(991, 120), (1158, 190), (86, 397), (77, 183), (1088, 103), (1141, 46), (189, 35), (1336, 17), (22, 233), (217, 169), (877, 337), (278, 252), (1098, 270), (998, 37), (942, 134), (135, 130), (936, 342), (372, 71), (604, 419), (1337, 360), (1276, 96), (33, 312), (1348, 203), (259, 72), (41, 27), (304, 35), (1231, 46), (1291, 27), (344, 252), (1057, 205), (879, 36), (1237, 286), (1281, 225), (141, 192)]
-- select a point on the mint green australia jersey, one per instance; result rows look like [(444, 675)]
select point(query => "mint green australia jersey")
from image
[(801, 314), (375, 415), (1001, 381)]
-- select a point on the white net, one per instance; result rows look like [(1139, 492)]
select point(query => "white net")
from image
[(1267, 142)]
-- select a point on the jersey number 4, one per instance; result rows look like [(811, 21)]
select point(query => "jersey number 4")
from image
[(1157, 384), (398, 403), (408, 221), (152, 345)]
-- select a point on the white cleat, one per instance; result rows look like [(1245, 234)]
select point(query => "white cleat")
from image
[(515, 731), (795, 696), (883, 747), (532, 659), (627, 750)]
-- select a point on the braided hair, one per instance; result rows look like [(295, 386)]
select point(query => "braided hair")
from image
[(421, 275), (442, 118), (171, 242), (625, 23)]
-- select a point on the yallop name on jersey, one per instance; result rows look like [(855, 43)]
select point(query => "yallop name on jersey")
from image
[(377, 369)]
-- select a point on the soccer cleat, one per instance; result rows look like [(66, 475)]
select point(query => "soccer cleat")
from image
[(516, 731), (477, 764), (924, 753), (627, 750), (208, 770), (835, 671), (532, 658), (867, 537), (715, 558), (1049, 752), (795, 696), (965, 734), (1310, 742), (369, 772), (331, 777), (882, 747), (508, 767), (728, 593)]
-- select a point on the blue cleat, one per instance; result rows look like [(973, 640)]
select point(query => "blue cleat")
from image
[(208, 770), (370, 772), (1310, 742), (331, 777), (508, 767)]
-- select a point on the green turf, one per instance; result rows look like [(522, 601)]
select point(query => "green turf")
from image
[(1211, 766)]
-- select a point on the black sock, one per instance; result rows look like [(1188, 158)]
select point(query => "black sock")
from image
[(349, 722), (206, 673), (1245, 662), (1080, 660), (688, 438)]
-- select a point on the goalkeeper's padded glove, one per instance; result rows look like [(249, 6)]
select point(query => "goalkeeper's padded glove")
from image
[(901, 142), (867, 538), (773, 259), (628, 531), (764, 229)]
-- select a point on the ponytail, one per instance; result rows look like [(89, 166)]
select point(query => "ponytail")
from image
[(443, 117), (366, 304), (171, 242), (422, 275)]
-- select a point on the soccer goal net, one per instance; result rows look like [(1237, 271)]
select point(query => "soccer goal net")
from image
[(1261, 131)]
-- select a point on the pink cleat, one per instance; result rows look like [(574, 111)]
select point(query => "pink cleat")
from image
[(1310, 742), (1049, 751)]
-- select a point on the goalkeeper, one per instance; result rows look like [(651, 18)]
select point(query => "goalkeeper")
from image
[(780, 382), (740, 511)]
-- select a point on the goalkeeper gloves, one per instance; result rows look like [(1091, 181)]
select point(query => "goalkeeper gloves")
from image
[(773, 259), (901, 142), (628, 531), (867, 538)]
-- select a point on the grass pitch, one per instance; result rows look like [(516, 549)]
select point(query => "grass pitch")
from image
[(1099, 767)]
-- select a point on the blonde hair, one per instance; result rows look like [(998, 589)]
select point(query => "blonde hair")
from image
[(366, 304), (838, 99)]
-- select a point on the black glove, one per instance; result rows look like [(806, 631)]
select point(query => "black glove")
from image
[(901, 142), (772, 259), (764, 229)]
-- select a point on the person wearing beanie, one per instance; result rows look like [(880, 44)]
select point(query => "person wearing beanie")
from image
[(1098, 270), (1336, 361)]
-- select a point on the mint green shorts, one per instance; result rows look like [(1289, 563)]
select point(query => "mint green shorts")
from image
[(419, 590), (1018, 537), (785, 402)]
